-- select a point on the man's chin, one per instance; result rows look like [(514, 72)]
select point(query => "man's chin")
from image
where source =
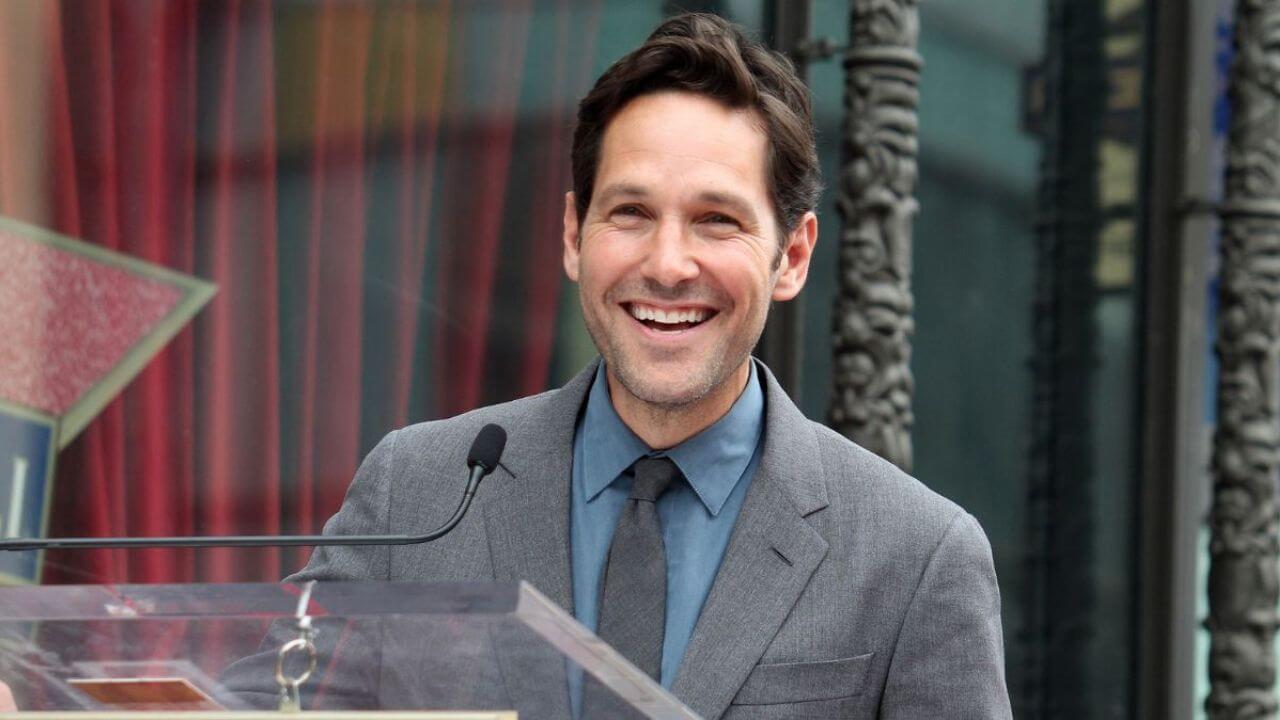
[(669, 398), (667, 388)]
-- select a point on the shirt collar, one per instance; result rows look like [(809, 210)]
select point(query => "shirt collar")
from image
[(712, 461)]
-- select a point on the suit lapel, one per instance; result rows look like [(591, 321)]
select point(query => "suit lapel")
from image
[(527, 512), (772, 554)]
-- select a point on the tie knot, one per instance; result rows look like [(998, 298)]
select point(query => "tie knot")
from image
[(653, 475)]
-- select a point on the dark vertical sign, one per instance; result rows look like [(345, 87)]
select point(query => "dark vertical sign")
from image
[(27, 448)]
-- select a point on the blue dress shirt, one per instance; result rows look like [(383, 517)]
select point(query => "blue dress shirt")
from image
[(697, 517)]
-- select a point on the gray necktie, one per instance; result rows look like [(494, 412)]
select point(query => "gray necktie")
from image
[(633, 600)]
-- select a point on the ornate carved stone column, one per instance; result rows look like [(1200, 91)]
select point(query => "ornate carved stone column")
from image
[(871, 402), (1244, 550)]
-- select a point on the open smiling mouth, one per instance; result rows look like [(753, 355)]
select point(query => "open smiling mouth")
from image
[(670, 321)]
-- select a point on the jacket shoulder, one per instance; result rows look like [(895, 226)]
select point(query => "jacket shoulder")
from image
[(441, 437), (881, 495)]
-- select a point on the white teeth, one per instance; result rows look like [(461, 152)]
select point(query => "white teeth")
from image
[(644, 312)]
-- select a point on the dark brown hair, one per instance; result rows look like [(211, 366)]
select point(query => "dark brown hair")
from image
[(710, 56)]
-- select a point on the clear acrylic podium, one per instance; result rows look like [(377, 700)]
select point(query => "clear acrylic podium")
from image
[(468, 650)]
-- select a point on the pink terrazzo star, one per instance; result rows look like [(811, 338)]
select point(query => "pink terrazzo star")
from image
[(66, 320)]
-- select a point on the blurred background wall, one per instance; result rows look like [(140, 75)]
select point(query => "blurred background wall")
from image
[(375, 188)]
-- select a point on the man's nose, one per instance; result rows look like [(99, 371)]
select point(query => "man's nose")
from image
[(671, 259)]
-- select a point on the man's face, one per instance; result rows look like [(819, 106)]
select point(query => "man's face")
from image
[(676, 254)]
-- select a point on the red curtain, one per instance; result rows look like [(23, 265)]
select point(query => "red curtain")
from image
[(357, 179), (121, 176), (466, 270), (569, 79)]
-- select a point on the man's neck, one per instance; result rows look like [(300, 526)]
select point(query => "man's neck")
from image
[(662, 427)]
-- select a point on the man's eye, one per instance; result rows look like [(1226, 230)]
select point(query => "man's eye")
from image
[(719, 219)]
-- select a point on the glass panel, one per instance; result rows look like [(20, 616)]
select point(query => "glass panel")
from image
[(481, 647), (974, 278)]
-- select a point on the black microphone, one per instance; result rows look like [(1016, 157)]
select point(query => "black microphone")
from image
[(486, 449), (482, 459)]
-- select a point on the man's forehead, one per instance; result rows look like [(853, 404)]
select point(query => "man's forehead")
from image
[(684, 132), (702, 112)]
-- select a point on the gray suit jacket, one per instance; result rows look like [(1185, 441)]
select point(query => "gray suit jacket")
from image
[(849, 590)]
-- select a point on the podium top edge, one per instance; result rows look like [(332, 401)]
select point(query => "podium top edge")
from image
[(259, 600)]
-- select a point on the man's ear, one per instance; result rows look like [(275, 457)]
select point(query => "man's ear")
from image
[(570, 238), (793, 269)]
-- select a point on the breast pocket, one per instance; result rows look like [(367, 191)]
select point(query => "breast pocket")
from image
[(795, 682)]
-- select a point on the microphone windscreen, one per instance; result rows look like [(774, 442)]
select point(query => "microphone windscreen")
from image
[(486, 449)]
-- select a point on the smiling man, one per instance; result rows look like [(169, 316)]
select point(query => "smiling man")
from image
[(672, 496), (677, 255)]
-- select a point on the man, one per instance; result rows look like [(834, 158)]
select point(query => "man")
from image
[(797, 575)]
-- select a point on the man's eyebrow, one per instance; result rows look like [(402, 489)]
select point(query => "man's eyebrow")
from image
[(734, 203), (616, 190)]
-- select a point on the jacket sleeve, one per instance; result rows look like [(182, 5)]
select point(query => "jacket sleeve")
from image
[(364, 511), (949, 657)]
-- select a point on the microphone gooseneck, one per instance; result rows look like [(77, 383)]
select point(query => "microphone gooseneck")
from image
[(482, 459)]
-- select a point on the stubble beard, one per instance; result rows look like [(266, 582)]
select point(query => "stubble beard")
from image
[(711, 373)]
